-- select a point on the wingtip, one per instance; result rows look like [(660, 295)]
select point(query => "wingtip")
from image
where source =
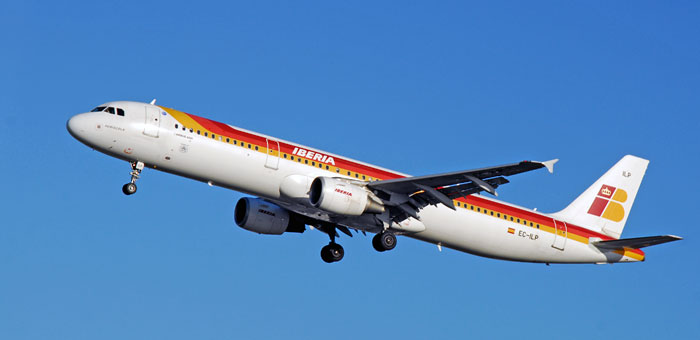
[(550, 164)]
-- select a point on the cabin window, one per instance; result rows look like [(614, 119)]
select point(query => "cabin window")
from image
[(306, 161), (256, 148), (491, 213), (471, 207), (177, 126), (511, 218), (291, 157), (228, 140), (363, 176), (478, 209), (250, 145), (538, 226), (285, 155), (213, 135), (313, 163), (191, 130), (206, 134), (183, 128), (518, 220), (337, 170), (531, 224), (327, 167), (199, 132), (498, 215)]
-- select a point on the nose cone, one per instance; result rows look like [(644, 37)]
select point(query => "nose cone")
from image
[(77, 126)]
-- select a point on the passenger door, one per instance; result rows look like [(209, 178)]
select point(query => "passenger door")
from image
[(273, 154)]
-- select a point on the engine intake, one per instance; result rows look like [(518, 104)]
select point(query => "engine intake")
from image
[(263, 217), (340, 197)]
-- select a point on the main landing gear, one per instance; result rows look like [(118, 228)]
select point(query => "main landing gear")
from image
[(384, 241), (130, 188), (332, 252)]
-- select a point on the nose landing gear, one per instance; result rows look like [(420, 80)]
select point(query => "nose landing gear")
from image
[(130, 188)]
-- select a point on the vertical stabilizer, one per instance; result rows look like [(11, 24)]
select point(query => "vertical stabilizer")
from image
[(605, 206)]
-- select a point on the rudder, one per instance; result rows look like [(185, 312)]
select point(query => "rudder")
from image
[(605, 205)]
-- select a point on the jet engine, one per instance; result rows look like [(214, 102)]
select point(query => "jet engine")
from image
[(263, 217), (341, 197)]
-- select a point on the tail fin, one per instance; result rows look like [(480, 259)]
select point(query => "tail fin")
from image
[(605, 205)]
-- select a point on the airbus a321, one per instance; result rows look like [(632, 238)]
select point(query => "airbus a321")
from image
[(295, 186)]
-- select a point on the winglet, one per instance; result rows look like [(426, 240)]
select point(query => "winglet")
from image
[(550, 164)]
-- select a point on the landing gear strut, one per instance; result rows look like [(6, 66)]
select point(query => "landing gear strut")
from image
[(384, 241), (130, 188)]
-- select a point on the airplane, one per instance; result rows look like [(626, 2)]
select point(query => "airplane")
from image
[(295, 186)]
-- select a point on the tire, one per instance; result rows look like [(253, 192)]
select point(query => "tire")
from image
[(377, 244), (129, 189), (326, 254)]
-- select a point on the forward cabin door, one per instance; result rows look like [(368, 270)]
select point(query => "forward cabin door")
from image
[(152, 121), (560, 233), (273, 154)]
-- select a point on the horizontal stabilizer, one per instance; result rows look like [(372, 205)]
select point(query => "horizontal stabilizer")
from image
[(637, 242)]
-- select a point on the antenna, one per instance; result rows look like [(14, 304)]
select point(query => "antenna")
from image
[(153, 102)]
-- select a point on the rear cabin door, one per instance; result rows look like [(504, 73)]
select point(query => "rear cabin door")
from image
[(152, 121), (273, 154), (560, 233)]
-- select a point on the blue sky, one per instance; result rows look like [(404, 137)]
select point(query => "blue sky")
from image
[(418, 87)]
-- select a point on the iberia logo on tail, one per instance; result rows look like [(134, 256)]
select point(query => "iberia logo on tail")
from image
[(608, 203)]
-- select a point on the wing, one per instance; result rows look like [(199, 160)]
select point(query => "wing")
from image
[(406, 196)]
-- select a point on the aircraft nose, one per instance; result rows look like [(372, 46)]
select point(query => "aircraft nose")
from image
[(76, 125)]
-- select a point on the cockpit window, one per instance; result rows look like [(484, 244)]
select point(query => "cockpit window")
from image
[(98, 109), (110, 110), (120, 112)]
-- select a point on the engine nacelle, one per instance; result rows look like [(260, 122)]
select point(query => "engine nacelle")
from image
[(264, 217), (341, 197)]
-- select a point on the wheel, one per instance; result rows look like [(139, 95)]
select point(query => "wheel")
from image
[(388, 240), (129, 189), (337, 252), (384, 241), (332, 253)]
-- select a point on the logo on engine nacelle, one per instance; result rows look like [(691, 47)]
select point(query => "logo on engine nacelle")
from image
[(343, 192), (314, 156)]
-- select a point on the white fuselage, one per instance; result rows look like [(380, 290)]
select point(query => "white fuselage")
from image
[(155, 136)]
